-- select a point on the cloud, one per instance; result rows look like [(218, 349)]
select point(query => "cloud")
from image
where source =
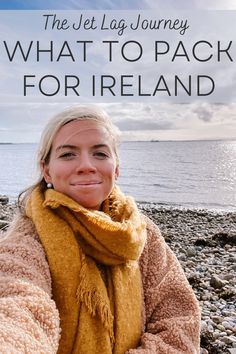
[(24, 122), (145, 124), (204, 112), (216, 4)]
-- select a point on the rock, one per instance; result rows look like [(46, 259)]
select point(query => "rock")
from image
[(228, 340), (217, 319), (204, 242), (225, 237), (221, 328), (193, 279), (227, 313), (228, 277), (233, 338), (4, 199), (217, 283), (204, 351), (210, 328), (182, 257), (227, 294), (227, 325), (3, 224), (203, 326), (191, 252)]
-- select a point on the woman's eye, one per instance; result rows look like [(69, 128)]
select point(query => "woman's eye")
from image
[(67, 155), (101, 155)]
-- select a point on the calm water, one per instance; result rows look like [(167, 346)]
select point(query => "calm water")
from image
[(196, 174)]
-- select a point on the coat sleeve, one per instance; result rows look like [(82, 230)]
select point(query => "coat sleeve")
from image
[(172, 314), (29, 320)]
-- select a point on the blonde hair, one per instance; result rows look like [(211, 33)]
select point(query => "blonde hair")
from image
[(74, 113)]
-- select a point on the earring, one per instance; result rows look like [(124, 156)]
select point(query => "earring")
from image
[(49, 185)]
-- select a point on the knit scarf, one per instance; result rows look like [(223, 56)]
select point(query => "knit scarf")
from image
[(93, 259)]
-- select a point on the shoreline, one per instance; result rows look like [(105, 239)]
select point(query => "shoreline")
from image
[(215, 210), (205, 244), (204, 241), (212, 210)]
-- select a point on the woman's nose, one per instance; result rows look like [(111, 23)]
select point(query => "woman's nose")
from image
[(85, 164)]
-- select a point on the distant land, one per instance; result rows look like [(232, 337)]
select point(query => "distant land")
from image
[(137, 141)]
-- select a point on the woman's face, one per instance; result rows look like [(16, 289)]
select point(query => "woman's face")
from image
[(82, 163)]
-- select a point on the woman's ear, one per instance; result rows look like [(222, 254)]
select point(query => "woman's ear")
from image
[(45, 171), (117, 171)]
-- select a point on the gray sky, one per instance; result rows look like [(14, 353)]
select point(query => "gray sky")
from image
[(122, 4), (164, 118)]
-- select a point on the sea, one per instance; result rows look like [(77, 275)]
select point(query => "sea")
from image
[(185, 174)]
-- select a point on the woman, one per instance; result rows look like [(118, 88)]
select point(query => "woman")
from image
[(82, 270)]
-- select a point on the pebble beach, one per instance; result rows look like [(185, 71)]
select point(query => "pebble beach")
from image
[(205, 244)]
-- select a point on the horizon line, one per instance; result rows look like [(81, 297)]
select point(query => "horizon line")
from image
[(140, 140)]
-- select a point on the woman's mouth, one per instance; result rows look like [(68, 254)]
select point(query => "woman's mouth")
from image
[(86, 183)]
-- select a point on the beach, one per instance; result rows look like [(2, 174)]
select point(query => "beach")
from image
[(205, 243)]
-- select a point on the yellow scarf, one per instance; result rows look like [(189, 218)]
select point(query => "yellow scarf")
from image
[(100, 311)]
